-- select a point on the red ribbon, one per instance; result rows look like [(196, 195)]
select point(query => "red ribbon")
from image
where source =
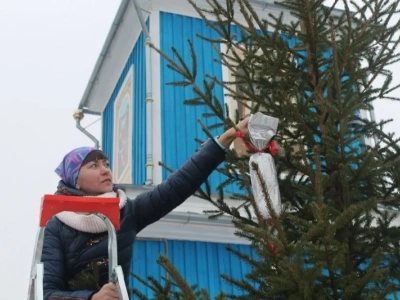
[(271, 145)]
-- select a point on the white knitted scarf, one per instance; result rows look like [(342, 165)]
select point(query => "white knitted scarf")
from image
[(90, 222)]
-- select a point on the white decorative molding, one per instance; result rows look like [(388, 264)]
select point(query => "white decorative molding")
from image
[(123, 130), (183, 7), (119, 50)]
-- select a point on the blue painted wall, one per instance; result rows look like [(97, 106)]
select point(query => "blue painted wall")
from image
[(137, 58), (179, 121), (199, 263)]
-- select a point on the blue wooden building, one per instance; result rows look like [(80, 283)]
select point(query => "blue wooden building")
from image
[(144, 121)]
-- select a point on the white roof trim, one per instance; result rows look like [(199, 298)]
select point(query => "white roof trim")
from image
[(119, 44)]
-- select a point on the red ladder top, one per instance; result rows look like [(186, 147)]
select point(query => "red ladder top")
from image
[(53, 204)]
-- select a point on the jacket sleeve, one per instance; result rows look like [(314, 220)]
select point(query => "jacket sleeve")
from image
[(54, 281), (150, 206)]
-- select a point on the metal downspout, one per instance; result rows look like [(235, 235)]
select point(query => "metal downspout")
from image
[(78, 116), (372, 111), (372, 116), (149, 99)]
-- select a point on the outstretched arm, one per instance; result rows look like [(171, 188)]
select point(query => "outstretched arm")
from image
[(180, 185)]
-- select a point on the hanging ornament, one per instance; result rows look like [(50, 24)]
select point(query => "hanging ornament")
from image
[(262, 129)]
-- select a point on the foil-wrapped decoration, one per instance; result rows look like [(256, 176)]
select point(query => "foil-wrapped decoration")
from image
[(262, 129)]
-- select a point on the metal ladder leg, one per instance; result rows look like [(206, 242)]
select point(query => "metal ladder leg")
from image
[(35, 291), (115, 272)]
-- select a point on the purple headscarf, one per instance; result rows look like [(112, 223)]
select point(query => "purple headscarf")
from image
[(68, 169)]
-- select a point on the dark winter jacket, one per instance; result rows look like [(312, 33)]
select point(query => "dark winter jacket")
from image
[(68, 252)]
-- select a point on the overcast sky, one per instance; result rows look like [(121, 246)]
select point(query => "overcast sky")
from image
[(48, 49)]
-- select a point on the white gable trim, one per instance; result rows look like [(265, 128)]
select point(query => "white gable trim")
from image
[(183, 7), (117, 48)]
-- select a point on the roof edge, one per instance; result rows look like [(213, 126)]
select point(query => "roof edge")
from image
[(105, 49)]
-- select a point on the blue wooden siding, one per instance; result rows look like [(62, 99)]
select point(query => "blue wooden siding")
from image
[(179, 122), (199, 263), (137, 58)]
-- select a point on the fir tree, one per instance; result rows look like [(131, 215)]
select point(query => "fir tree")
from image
[(335, 238)]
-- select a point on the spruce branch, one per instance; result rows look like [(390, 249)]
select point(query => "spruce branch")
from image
[(88, 280), (187, 291)]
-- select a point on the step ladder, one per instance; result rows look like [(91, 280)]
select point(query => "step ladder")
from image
[(106, 209)]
